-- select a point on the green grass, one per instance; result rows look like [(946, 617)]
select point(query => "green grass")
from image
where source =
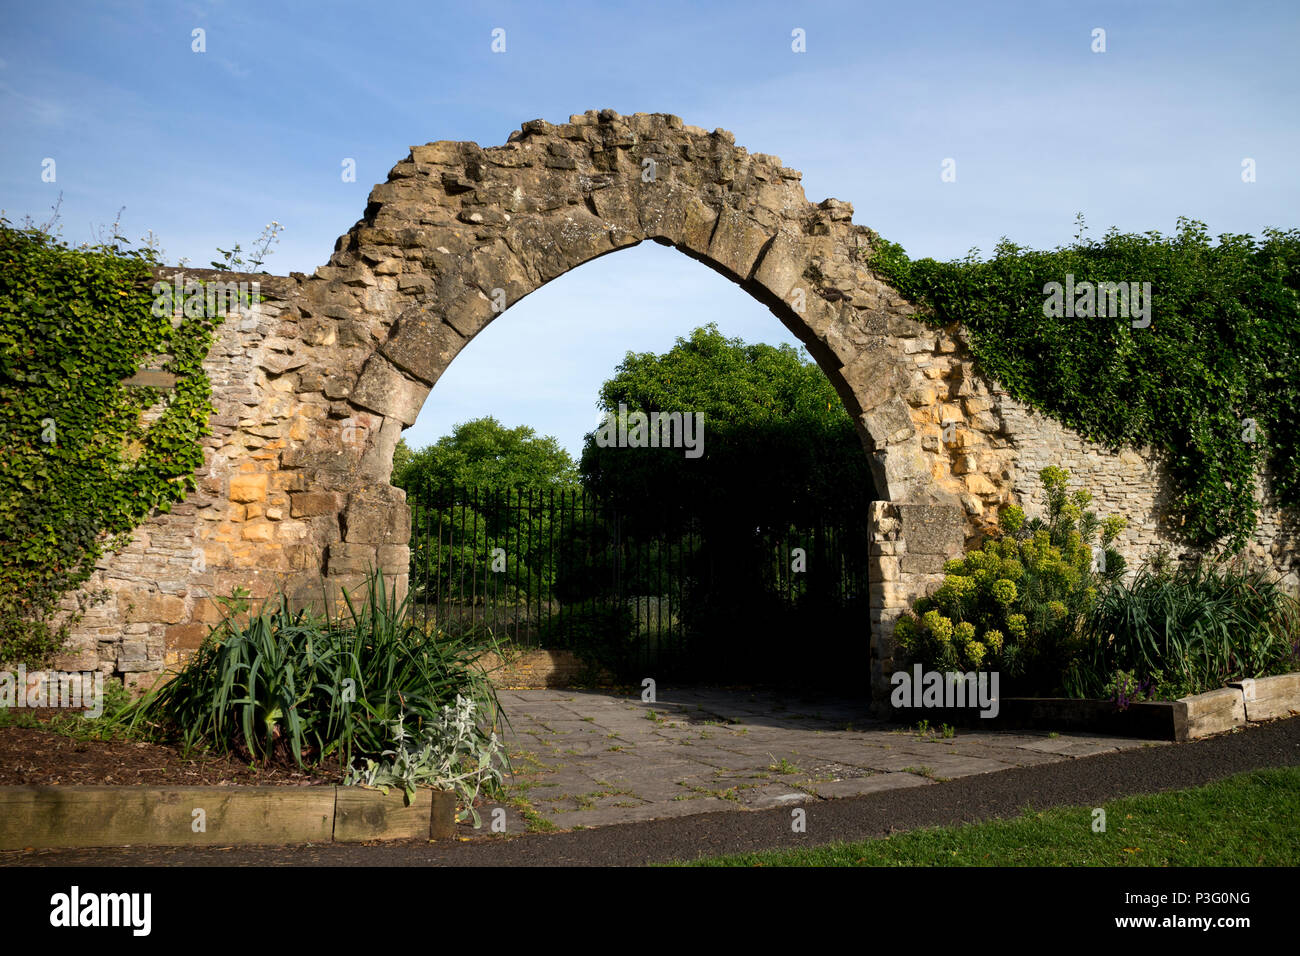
[(783, 766), (1251, 819), (517, 796)]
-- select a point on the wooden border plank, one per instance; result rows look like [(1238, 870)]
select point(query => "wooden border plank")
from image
[(175, 816)]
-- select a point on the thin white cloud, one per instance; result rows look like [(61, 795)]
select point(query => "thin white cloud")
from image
[(43, 111), (234, 69)]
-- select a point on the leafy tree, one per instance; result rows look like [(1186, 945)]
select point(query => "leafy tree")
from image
[(782, 466), (484, 453), (401, 457), (778, 443), (480, 463)]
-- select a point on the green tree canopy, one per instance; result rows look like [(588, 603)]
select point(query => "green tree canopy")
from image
[(484, 453), (777, 438), (479, 463)]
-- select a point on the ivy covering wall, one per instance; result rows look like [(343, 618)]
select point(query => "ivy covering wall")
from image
[(1209, 375), (86, 458)]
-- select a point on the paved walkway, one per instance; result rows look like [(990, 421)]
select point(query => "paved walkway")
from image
[(587, 759), (1084, 783)]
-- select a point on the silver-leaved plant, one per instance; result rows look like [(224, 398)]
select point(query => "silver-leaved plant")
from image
[(449, 753)]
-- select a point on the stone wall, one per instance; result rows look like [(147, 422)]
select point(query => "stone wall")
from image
[(314, 386), (535, 669), (1133, 483), (220, 537)]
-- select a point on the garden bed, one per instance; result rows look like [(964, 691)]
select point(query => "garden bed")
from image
[(34, 757), (58, 790)]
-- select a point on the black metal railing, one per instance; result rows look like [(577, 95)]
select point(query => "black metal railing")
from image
[(707, 596)]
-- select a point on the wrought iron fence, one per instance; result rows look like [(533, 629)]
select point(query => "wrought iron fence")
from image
[(700, 595)]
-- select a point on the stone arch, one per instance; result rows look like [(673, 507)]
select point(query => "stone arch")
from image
[(460, 232), (314, 384), (458, 225)]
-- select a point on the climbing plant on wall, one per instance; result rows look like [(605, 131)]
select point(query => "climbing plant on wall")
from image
[(1205, 365), (86, 458)]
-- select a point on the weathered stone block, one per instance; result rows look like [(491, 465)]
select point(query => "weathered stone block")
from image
[(901, 471), (152, 378), (443, 152), (922, 563), (933, 529), (395, 558), (423, 344), (979, 485), (697, 227), (248, 487), (260, 531), (385, 389), (874, 377), (305, 504), (884, 568), (379, 516), (346, 558), (146, 607), (617, 210), (736, 243), (782, 266), (888, 422), (186, 637)]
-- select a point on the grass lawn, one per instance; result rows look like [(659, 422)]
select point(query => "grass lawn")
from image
[(1252, 819)]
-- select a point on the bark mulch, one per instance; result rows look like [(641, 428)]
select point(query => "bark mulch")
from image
[(30, 756)]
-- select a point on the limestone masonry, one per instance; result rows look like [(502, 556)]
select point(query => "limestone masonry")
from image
[(314, 385)]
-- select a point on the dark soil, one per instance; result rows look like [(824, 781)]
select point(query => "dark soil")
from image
[(41, 757)]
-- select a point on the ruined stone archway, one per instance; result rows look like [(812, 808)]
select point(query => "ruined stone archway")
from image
[(314, 385), (459, 233), (458, 226)]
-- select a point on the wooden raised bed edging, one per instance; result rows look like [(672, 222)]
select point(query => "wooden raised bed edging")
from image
[(1214, 712), (1266, 698), (55, 816)]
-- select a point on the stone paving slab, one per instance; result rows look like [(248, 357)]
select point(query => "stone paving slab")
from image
[(681, 808), (1082, 746), (774, 795), (586, 759), (873, 784), (1018, 756)]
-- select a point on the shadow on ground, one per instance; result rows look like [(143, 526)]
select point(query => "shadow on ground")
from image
[(587, 759)]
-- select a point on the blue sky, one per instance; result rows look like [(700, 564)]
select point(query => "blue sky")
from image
[(206, 149)]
